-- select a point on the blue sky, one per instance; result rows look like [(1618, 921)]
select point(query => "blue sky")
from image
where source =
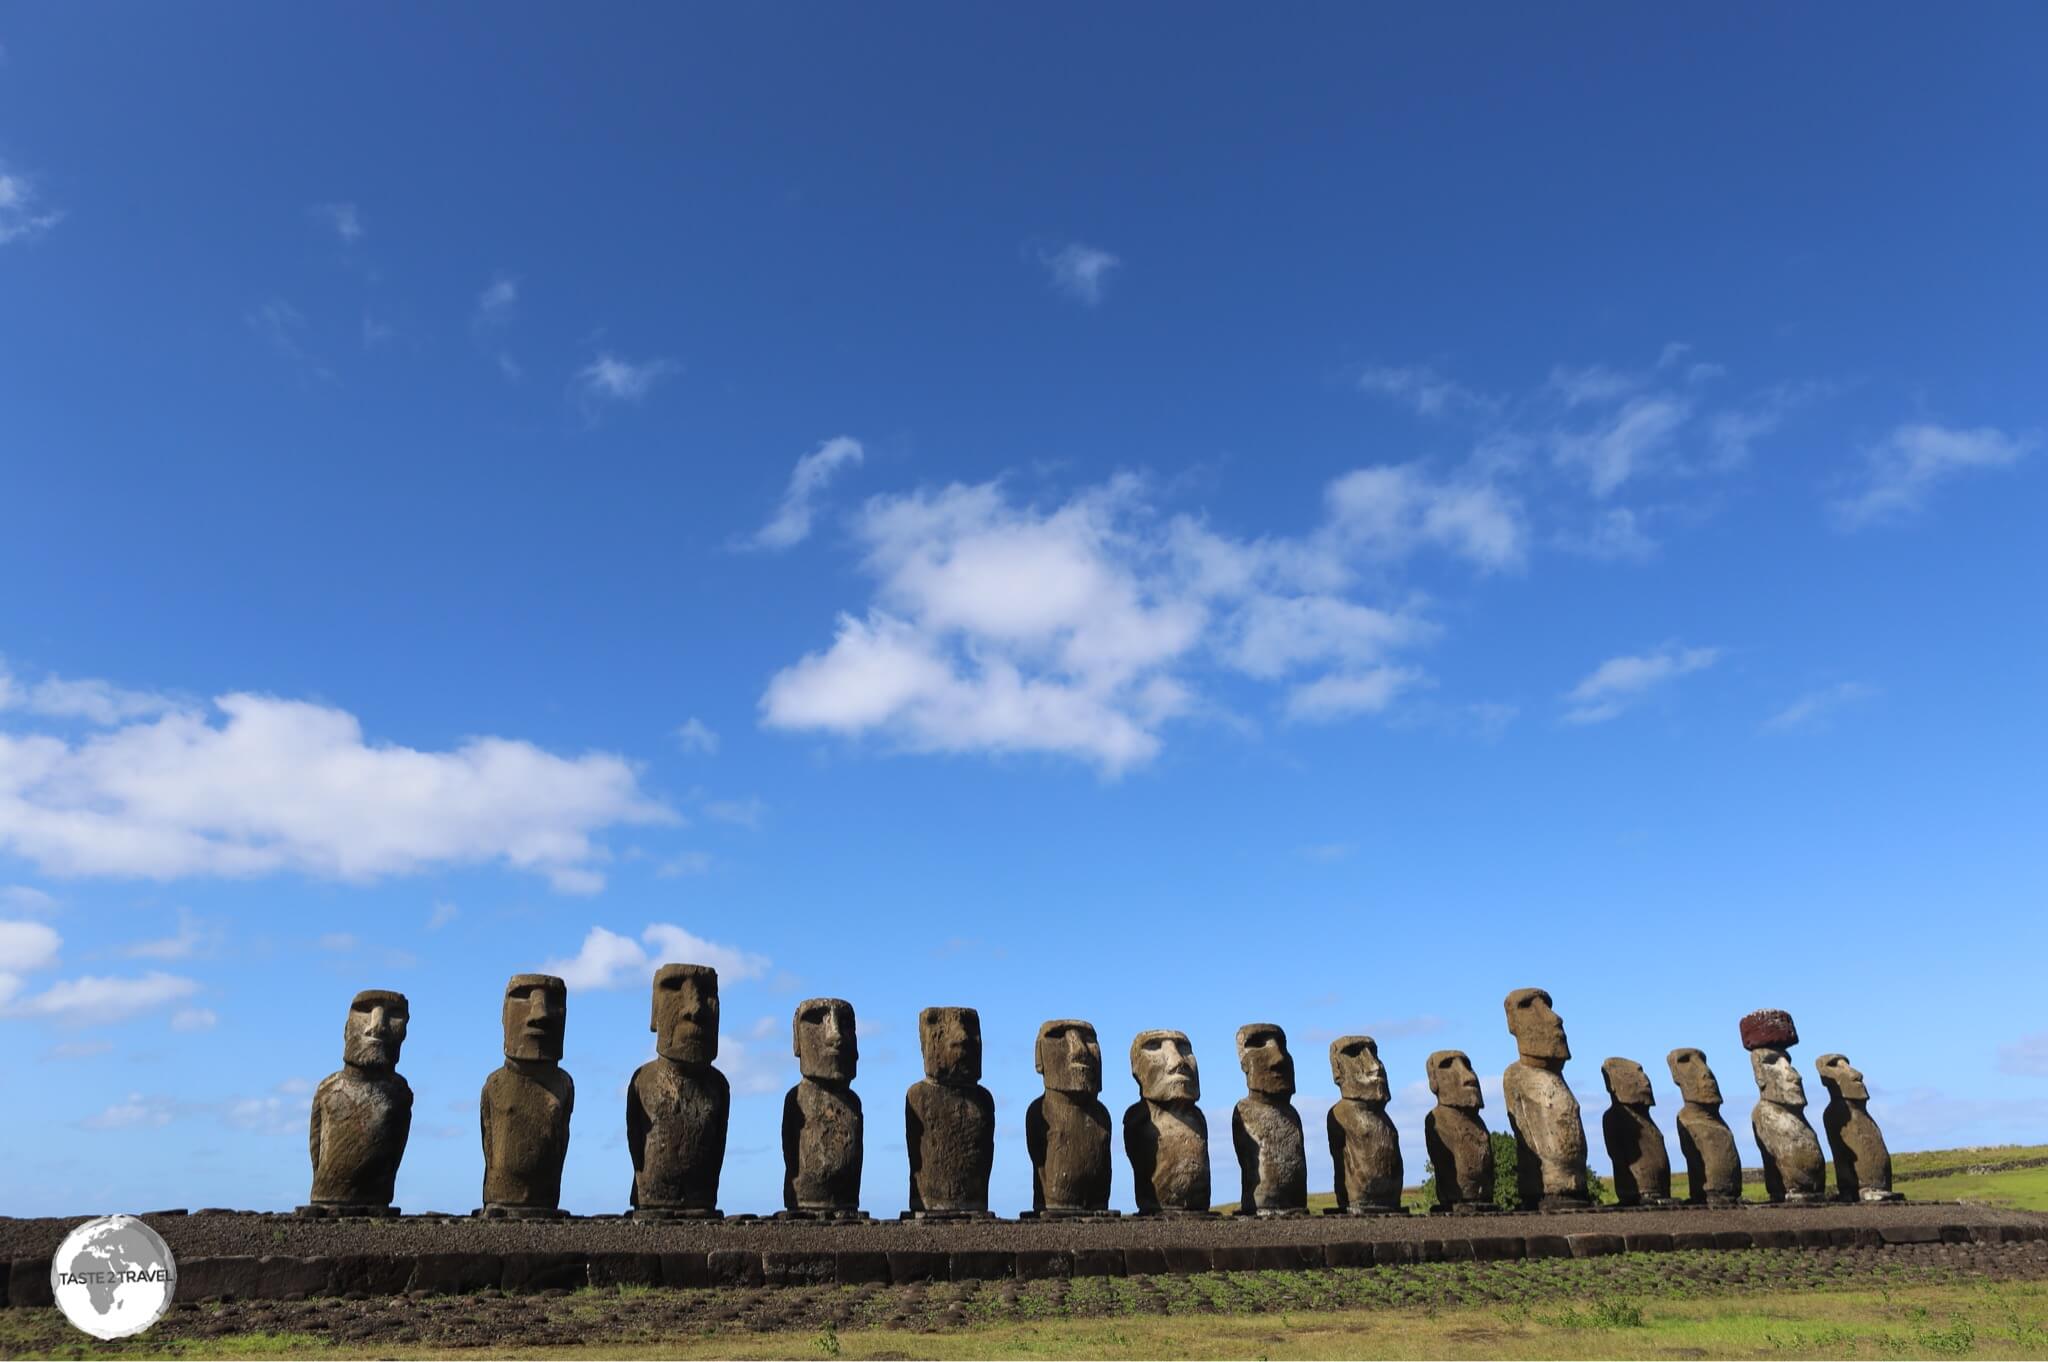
[(1169, 519)]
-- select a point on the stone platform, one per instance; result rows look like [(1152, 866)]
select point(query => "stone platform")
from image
[(250, 1256)]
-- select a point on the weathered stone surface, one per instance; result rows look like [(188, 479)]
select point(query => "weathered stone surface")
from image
[(1863, 1165), (526, 1105), (1067, 1130), (1768, 1028), (677, 1104), (1642, 1168), (362, 1112), (1265, 1129), (1793, 1168), (1365, 1149), (1550, 1139), (821, 1116), (1460, 1152), (1166, 1137), (1713, 1168), (949, 1119)]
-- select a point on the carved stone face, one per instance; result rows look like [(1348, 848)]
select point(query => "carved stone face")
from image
[(1262, 1054), (1776, 1079), (685, 1022), (536, 1010), (1164, 1064), (1841, 1078), (375, 1029), (1696, 1082), (1627, 1083), (1452, 1081), (1538, 1031), (823, 1040), (1070, 1057), (1355, 1064), (951, 1037)]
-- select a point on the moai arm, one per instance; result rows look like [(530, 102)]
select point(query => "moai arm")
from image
[(1034, 1149), (913, 1144), (1335, 1129), (1139, 1150), (637, 1126), (483, 1120), (313, 1126), (792, 1134), (1247, 1149)]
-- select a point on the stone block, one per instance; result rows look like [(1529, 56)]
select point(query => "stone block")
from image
[(1812, 1239), (1775, 1239), (784, 1267), (28, 1283), (733, 1267), (1956, 1234), (227, 1277), (1393, 1252), (1734, 1239), (1647, 1241), (454, 1274), (529, 1272), (985, 1265), (1233, 1258), (1143, 1260), (1040, 1264), (1548, 1245), (1687, 1241), (685, 1270), (281, 1277), (1842, 1236), (1099, 1262), (860, 1267), (1343, 1253), (1911, 1234), (916, 1265), (373, 1274), (1183, 1259), (1457, 1250), (1594, 1245), (1499, 1248), (1289, 1257), (625, 1269), (1868, 1236)]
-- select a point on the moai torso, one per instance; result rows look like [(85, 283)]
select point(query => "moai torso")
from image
[(1863, 1164), (1272, 1163), (1365, 1156), (1635, 1147), (676, 1116), (1713, 1167), (525, 1113), (1067, 1129), (1550, 1139), (362, 1113), (950, 1134), (678, 1105), (1168, 1146), (821, 1117), (1460, 1149)]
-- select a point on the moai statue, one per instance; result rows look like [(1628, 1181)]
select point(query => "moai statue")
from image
[(1550, 1141), (1166, 1138), (1642, 1168), (1365, 1149), (821, 1120), (677, 1103), (1863, 1166), (1067, 1130), (1794, 1172), (526, 1104), (949, 1120), (1713, 1168), (1265, 1129), (362, 1112), (1460, 1150)]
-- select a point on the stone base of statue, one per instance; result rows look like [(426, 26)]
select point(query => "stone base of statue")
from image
[(1276, 1213), (1792, 1199), (674, 1213), (1070, 1214), (1467, 1208), (1563, 1202), (494, 1212), (1176, 1213), (1871, 1196), (1367, 1212), (946, 1217), (824, 1216), (337, 1210)]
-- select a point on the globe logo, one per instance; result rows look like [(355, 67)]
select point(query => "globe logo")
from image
[(113, 1277)]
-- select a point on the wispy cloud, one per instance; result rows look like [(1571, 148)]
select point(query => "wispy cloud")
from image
[(1418, 385), (282, 328), (1079, 270), (1619, 682), (745, 813), (26, 898), (22, 213), (609, 960), (1813, 708), (791, 524), (697, 736), (494, 306), (1622, 444), (193, 937), (2027, 1056), (93, 701), (609, 378), (193, 1019), (1901, 471), (98, 1000), (343, 218), (442, 914)]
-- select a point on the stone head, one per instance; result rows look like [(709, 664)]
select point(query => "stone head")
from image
[(1538, 1031), (1696, 1082), (375, 1029), (823, 1040), (536, 1011), (1262, 1054), (1355, 1064), (1452, 1081), (1841, 1078), (1776, 1079), (1627, 1083), (951, 1038), (1070, 1057), (685, 1019), (1163, 1062)]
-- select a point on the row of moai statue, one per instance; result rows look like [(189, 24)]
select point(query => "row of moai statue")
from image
[(677, 1106)]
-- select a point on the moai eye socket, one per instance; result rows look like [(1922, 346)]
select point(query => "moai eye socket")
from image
[(813, 1016), (1152, 1045), (1353, 1050), (674, 983)]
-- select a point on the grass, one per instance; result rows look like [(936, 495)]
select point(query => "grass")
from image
[(1974, 1320)]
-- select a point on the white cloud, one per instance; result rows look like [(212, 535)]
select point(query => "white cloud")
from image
[(443, 914), (190, 938), (136, 1112), (609, 960), (1812, 708), (1619, 682), (1901, 471), (194, 1019), (1596, 383), (1340, 697), (22, 214), (341, 943), (745, 813), (93, 1000), (282, 785), (697, 736), (22, 898), (2027, 1056), (1079, 270), (792, 522), (1624, 444), (346, 221), (495, 304), (1392, 509), (609, 378), (95, 702), (1430, 393), (78, 1049), (688, 863), (1615, 532), (26, 946), (279, 1113)]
